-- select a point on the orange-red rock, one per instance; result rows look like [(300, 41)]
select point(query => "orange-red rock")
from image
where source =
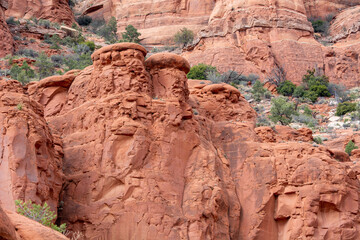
[(6, 40), (30, 157), (7, 230), (53, 10), (257, 37)]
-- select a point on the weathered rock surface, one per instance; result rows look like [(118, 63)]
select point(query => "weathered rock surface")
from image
[(257, 37), (7, 229), (53, 10), (30, 157), (150, 155), (6, 40), (27, 229), (322, 8)]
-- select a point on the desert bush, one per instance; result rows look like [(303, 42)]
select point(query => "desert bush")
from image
[(58, 60), (96, 25), (82, 49), (45, 66), (12, 21), (277, 76), (282, 111), (311, 95), (286, 88), (262, 120), (305, 119), (320, 90), (340, 92), (184, 37), (23, 74), (44, 23), (27, 53), (318, 140), (349, 147), (76, 61), (344, 108), (91, 45), (41, 214), (258, 91), (84, 20), (131, 34), (200, 71)]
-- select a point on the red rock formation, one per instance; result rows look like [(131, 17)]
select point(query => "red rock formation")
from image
[(148, 157), (30, 157), (6, 40), (158, 21), (16, 227), (323, 8), (254, 37), (53, 10)]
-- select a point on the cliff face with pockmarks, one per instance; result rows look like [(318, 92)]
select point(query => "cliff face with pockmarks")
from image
[(148, 154)]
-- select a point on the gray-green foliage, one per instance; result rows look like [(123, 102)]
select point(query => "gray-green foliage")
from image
[(282, 110), (45, 66), (131, 34), (184, 37), (41, 214), (258, 91)]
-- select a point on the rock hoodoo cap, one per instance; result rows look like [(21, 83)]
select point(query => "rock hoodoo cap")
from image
[(118, 47), (167, 60)]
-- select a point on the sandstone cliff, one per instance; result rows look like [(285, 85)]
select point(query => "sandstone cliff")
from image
[(151, 155), (257, 37), (53, 10), (6, 40)]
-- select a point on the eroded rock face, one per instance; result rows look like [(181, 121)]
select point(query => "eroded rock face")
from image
[(158, 21), (323, 8), (30, 157), (53, 10), (150, 155), (138, 166), (6, 40), (257, 37)]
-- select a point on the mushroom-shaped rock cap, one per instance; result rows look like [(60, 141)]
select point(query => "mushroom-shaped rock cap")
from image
[(118, 47), (167, 60)]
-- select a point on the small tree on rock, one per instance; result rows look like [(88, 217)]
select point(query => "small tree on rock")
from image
[(131, 34), (282, 111), (184, 37)]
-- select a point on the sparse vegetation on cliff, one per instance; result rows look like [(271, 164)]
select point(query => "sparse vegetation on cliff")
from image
[(41, 214), (184, 37)]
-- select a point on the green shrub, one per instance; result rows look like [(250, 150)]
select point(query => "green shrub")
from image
[(282, 111), (28, 53), (41, 214), (344, 108), (258, 91), (299, 92), (45, 66), (318, 140), (184, 37), (286, 88), (130, 35), (320, 90), (307, 110), (310, 95), (310, 80), (44, 23), (84, 20), (200, 71), (349, 147), (339, 91), (76, 61), (91, 45), (12, 21)]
